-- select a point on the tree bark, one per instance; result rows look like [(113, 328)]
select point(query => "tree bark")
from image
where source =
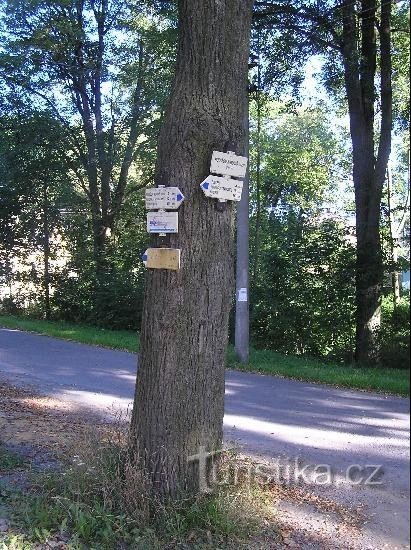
[(179, 401), (359, 58)]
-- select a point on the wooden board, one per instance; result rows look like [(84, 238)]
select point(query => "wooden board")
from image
[(228, 164), (224, 189), (163, 198), (162, 258), (162, 222)]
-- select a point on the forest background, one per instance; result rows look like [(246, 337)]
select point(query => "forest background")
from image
[(83, 89)]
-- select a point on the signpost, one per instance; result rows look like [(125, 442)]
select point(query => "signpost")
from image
[(162, 222), (163, 198), (224, 189), (223, 186), (162, 258), (228, 164)]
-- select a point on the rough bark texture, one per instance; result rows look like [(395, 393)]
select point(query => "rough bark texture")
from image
[(359, 56), (179, 401)]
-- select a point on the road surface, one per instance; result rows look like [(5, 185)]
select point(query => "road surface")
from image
[(271, 418)]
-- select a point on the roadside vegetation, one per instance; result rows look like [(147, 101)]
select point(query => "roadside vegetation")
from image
[(91, 495), (383, 379)]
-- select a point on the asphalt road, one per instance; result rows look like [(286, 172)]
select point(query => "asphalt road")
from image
[(272, 418)]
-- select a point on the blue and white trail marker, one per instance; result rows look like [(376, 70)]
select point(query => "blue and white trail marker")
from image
[(162, 222), (163, 198), (223, 189), (224, 186)]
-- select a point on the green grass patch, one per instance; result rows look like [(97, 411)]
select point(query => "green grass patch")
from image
[(101, 500), (9, 460), (124, 340), (388, 380), (381, 379)]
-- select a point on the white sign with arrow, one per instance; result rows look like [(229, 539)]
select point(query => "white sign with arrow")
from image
[(228, 164), (163, 198), (224, 189), (162, 222)]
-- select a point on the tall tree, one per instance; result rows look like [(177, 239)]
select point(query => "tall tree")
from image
[(179, 401), (75, 59), (359, 32), (369, 165)]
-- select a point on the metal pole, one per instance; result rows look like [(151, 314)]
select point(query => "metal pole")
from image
[(242, 330)]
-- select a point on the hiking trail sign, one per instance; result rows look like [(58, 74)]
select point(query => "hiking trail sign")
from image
[(162, 258), (162, 222), (228, 164), (163, 198), (223, 186), (224, 189)]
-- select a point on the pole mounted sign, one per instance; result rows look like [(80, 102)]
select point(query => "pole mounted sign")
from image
[(224, 187), (163, 198)]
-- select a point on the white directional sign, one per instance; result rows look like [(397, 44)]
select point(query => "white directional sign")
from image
[(228, 164), (162, 222), (163, 198), (224, 189), (162, 258)]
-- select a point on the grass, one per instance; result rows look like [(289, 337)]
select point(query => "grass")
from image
[(125, 340), (9, 460), (387, 380), (100, 500)]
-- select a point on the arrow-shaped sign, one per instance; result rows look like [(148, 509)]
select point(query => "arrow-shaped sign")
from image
[(224, 189), (162, 258), (163, 198)]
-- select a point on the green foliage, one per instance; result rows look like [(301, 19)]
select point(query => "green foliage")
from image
[(395, 333), (115, 339), (383, 379), (303, 303)]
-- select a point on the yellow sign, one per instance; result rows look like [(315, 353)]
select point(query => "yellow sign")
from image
[(162, 258)]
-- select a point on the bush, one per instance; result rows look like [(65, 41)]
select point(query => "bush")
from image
[(395, 333)]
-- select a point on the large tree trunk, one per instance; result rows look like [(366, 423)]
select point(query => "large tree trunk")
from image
[(179, 401), (360, 64)]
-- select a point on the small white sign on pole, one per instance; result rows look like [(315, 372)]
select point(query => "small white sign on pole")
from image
[(163, 198), (224, 189), (228, 164), (162, 222), (242, 295)]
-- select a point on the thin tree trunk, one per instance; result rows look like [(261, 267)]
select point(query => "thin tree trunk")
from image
[(179, 401), (46, 252), (395, 277)]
